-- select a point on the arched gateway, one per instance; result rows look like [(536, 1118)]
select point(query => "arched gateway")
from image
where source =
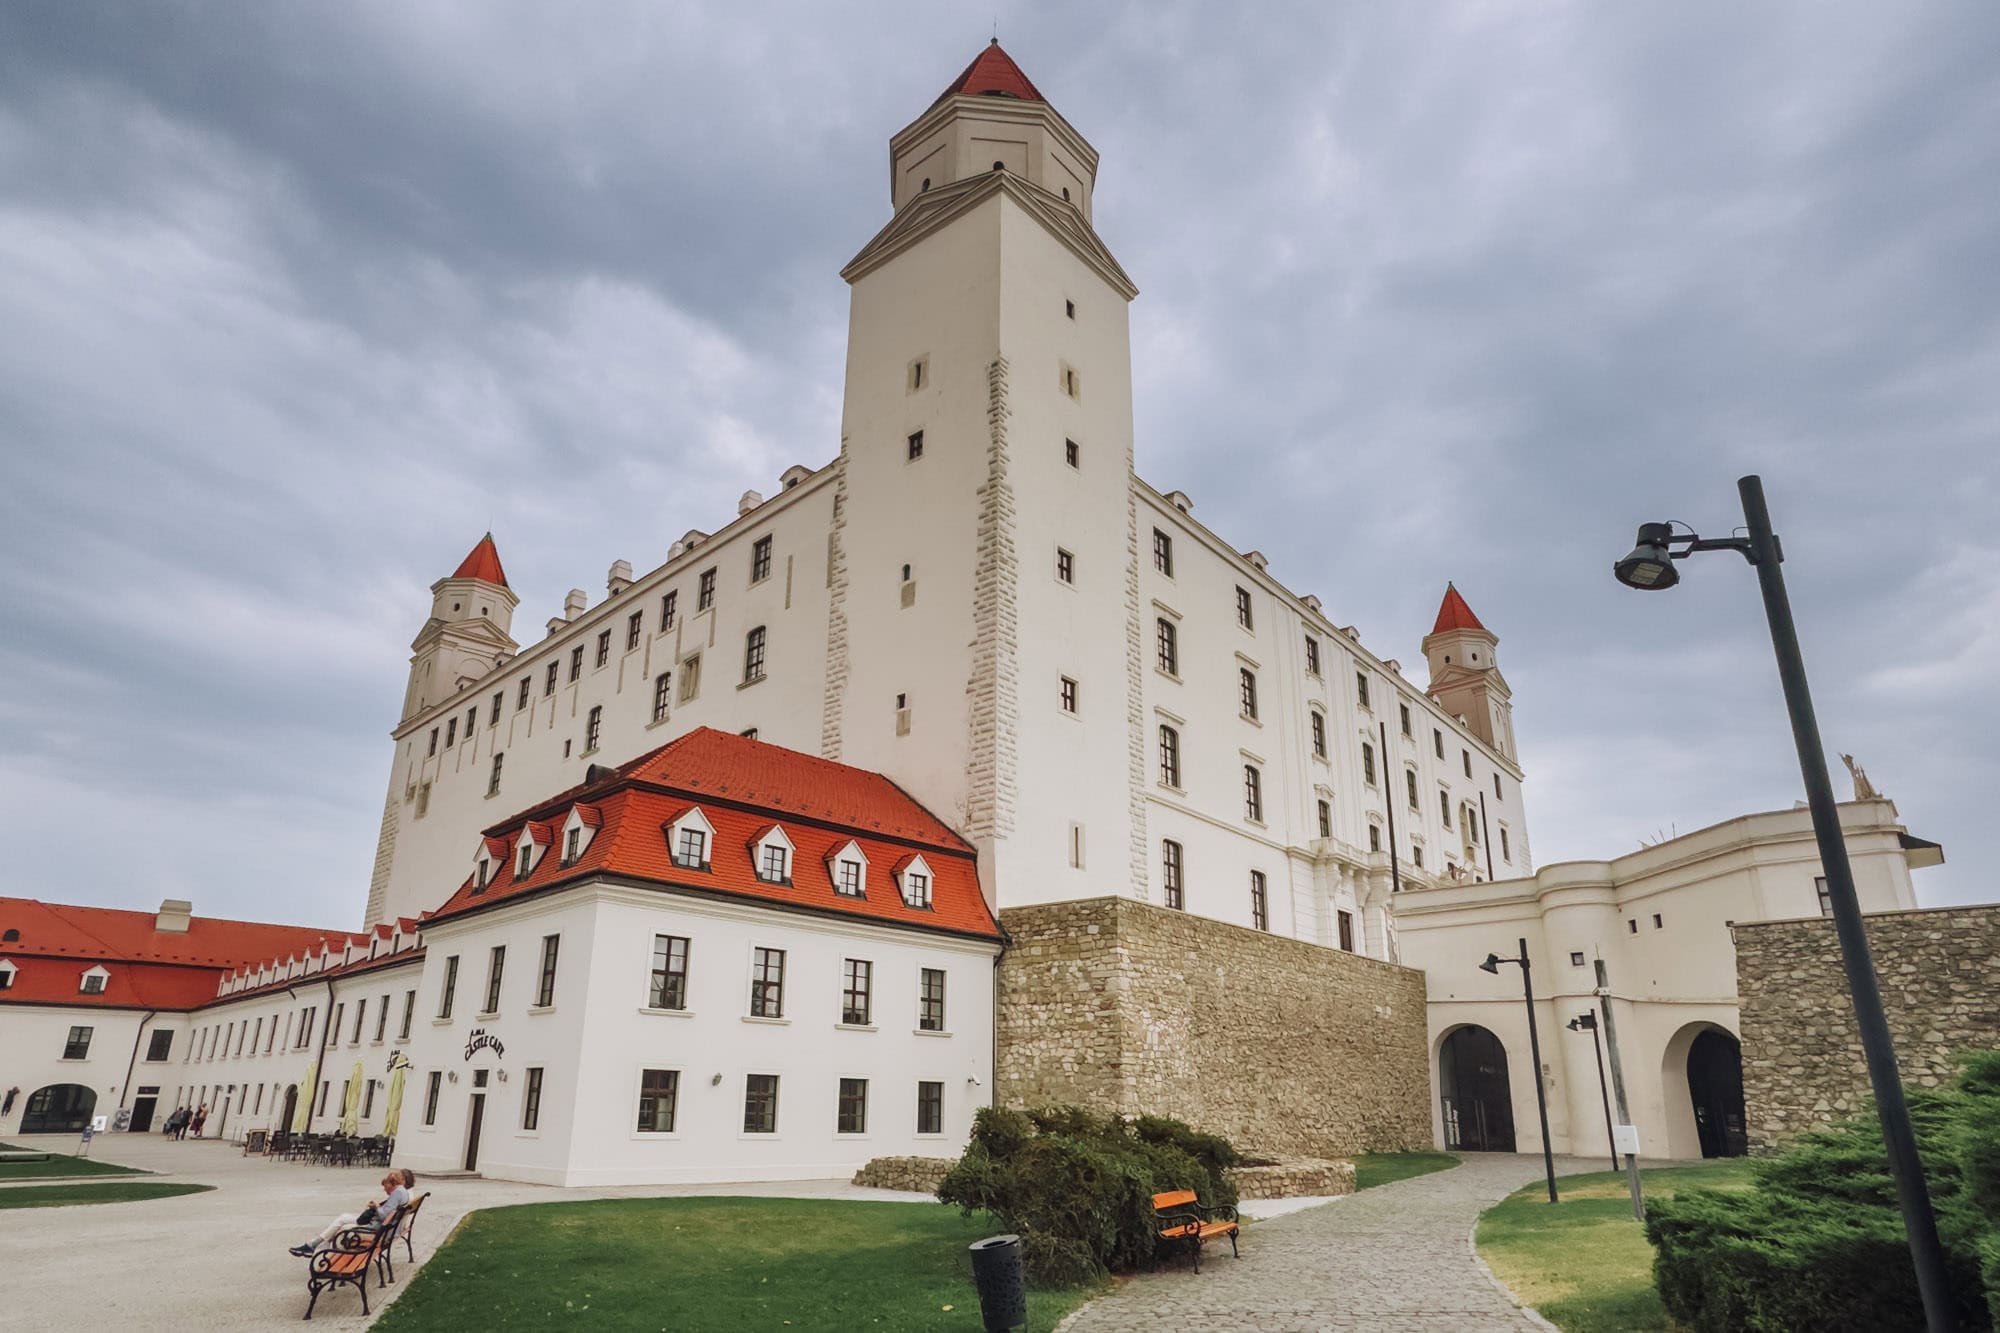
[(1472, 1084), (1715, 1086), (60, 1108)]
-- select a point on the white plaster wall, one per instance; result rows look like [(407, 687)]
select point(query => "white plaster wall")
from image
[(32, 1038)]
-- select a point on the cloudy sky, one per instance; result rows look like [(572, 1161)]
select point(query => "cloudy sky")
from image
[(296, 301)]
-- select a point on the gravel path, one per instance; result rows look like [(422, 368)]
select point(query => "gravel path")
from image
[(1397, 1257)]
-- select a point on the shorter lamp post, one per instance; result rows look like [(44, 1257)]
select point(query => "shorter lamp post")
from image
[(1587, 1022), (1492, 964)]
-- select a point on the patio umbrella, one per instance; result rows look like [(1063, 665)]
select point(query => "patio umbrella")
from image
[(350, 1112), (302, 1118), (392, 1118)]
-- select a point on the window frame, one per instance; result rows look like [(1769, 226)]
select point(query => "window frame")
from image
[(667, 1094), (931, 1000), (545, 977), (767, 982), (667, 983), (857, 992)]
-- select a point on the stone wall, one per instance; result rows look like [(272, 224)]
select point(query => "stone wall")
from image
[(1290, 1049), (1304, 1177), (1939, 973), (921, 1174)]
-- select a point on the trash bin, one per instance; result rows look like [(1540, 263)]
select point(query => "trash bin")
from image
[(996, 1272)]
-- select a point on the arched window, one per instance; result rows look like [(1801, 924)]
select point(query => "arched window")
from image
[(1170, 756)]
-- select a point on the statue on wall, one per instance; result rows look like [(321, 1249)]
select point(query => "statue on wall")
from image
[(1864, 790)]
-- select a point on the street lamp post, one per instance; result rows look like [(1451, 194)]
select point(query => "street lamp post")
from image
[(1587, 1022), (1650, 566), (1492, 964)]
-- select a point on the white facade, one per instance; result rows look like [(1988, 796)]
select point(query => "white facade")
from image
[(968, 600), (1659, 919)]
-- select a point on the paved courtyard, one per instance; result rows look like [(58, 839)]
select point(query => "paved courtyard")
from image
[(217, 1260), (1397, 1257)]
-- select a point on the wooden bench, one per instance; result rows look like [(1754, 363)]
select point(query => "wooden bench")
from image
[(406, 1223), (346, 1259), (1183, 1220)]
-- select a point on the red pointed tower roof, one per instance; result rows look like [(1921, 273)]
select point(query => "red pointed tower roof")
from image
[(992, 73), (483, 563), (1455, 614)]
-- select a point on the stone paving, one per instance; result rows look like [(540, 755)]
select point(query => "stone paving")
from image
[(1398, 1256)]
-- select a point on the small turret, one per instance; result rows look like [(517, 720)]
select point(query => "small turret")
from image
[(467, 635), (1465, 674)]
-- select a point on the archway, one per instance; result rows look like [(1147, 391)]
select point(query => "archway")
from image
[(60, 1108), (1472, 1084), (1715, 1086)]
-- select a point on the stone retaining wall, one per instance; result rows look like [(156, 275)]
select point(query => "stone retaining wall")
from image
[(1300, 1178), (1287, 1048), (921, 1174), (1939, 972)]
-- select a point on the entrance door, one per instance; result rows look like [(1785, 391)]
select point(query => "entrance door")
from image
[(60, 1108), (1472, 1083), (291, 1106), (472, 1131), (142, 1110), (1715, 1083)]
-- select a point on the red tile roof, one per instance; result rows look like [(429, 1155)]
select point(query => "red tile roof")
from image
[(742, 787), (992, 73), (482, 562), (1455, 614)]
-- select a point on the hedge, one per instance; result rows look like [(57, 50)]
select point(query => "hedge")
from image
[(1819, 1243), (1078, 1187)]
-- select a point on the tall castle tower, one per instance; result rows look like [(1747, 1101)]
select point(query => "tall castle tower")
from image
[(986, 453), (467, 633), (1465, 675)]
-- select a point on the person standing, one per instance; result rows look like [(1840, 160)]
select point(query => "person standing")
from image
[(200, 1119)]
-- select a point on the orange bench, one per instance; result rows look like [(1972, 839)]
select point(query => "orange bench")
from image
[(347, 1259), (1184, 1220)]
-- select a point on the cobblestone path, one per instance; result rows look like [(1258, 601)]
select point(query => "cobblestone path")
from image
[(1397, 1256)]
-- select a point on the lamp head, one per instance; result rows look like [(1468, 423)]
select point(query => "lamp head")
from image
[(1650, 567), (1492, 964), (1583, 1023)]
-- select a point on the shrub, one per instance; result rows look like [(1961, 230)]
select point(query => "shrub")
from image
[(1820, 1244), (1079, 1187)]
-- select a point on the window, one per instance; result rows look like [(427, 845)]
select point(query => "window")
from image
[(667, 601), (271, 1037), (471, 721), (368, 1099), (753, 655), (1170, 756), (333, 1028), (1168, 637), (325, 1086), (527, 861), (1326, 819), (1253, 794), (434, 1087), (163, 1042), (1410, 782), (847, 877), (1312, 656), (93, 982), (1318, 733), (690, 677), (1374, 837), (1163, 553), (434, 742), (635, 629), (767, 983), (1468, 819), (531, 1100), (1632, 925), (1346, 920), (1243, 608), (1069, 307), (1361, 689), (312, 1011), (409, 1012), (692, 851), (593, 728), (917, 885), (760, 1104), (576, 662), (549, 685), (1065, 566), (1576, 958), (493, 778), (663, 685), (451, 733), (930, 1000), (1444, 806), (1170, 873), (760, 560), (1246, 690), (930, 1108), (1072, 453), (1260, 905), (545, 984), (1437, 742), (918, 366), (1819, 887), (776, 865), (1403, 713), (1068, 695), (1657, 923), (496, 964), (916, 445), (1368, 763), (77, 1046), (423, 799), (853, 1118), (1465, 759), (1069, 381), (1416, 853), (499, 697), (856, 1001), (659, 1096), (360, 1018), (1496, 786), (521, 700), (669, 988), (1506, 852), (704, 596)]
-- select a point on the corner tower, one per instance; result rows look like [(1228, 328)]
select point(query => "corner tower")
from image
[(472, 611), (1465, 674)]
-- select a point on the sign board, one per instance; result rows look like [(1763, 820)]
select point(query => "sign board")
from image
[(97, 1124), (124, 1120), (1626, 1139)]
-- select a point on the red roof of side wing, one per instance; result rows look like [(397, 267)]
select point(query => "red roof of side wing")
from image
[(1455, 614), (482, 562), (992, 73)]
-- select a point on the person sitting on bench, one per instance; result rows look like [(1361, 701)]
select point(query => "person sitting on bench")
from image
[(396, 1195)]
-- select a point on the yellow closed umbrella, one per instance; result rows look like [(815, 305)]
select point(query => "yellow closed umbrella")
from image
[(302, 1118), (392, 1117), (350, 1111)]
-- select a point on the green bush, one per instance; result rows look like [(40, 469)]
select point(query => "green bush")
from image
[(1079, 1187), (1819, 1243)]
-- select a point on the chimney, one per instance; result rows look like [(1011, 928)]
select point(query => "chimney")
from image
[(574, 604), (747, 502), (619, 579), (174, 916)]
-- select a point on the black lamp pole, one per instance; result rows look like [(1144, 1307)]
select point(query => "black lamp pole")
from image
[(1587, 1022), (1492, 964), (1649, 567)]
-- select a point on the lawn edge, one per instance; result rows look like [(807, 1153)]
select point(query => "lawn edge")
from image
[(1479, 1260)]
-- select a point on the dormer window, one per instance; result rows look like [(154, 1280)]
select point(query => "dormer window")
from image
[(913, 881), (94, 981), (849, 869), (483, 875), (688, 838), (771, 854), (7, 971), (572, 845), (527, 862), (530, 851)]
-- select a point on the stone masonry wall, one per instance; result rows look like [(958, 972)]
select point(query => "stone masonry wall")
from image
[(1290, 1049), (1939, 973)]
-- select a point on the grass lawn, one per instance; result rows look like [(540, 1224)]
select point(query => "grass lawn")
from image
[(711, 1264), (60, 1165), (108, 1191), (1379, 1168), (1585, 1263)]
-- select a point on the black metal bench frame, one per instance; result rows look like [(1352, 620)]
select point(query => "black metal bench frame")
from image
[(372, 1241)]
